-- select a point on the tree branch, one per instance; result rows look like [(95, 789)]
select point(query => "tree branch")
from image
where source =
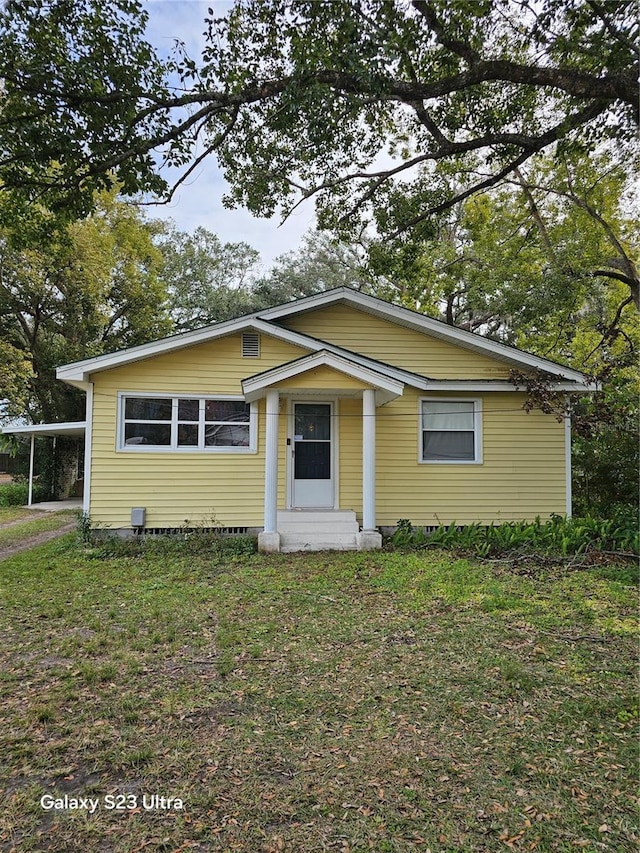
[(454, 45)]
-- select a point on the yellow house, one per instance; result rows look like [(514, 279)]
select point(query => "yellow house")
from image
[(317, 424)]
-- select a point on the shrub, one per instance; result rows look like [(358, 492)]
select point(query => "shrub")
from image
[(557, 537), (203, 543), (17, 494)]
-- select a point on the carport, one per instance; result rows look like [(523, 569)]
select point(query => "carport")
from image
[(70, 429)]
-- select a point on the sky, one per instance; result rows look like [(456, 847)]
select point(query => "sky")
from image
[(199, 200)]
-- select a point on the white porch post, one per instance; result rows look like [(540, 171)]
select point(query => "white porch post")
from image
[(369, 539), (369, 459), (88, 440), (269, 539), (567, 459), (31, 455)]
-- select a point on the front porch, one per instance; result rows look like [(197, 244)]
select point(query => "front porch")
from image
[(318, 530), (307, 392)]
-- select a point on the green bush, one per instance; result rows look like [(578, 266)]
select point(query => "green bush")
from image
[(557, 537), (198, 543), (16, 494)]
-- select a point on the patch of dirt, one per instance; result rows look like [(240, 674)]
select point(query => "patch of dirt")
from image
[(33, 541), (20, 520)]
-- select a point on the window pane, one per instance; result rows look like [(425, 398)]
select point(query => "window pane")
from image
[(313, 421), (187, 435), (313, 460), (147, 409), (447, 445), (447, 414), (188, 410), (147, 434), (236, 411), (223, 435)]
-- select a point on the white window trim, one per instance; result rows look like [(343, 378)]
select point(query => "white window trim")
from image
[(477, 431), (121, 447)]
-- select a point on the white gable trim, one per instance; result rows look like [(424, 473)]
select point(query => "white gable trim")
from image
[(385, 387), (422, 323), (80, 372)]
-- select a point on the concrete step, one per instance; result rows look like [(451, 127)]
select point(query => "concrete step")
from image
[(313, 541), (311, 522)]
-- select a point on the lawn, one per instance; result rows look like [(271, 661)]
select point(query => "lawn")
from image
[(9, 514), (15, 527), (341, 702)]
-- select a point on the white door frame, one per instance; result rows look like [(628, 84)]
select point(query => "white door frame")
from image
[(333, 402)]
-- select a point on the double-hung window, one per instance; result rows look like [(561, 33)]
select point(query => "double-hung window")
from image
[(186, 423), (450, 430)]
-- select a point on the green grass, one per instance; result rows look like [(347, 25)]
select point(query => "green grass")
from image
[(349, 702), (32, 526), (12, 513)]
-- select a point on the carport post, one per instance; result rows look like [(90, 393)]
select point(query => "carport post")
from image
[(31, 455)]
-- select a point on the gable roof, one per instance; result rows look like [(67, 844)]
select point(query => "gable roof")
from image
[(385, 387), (266, 321), (421, 323)]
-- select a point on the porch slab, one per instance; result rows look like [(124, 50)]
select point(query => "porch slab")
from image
[(57, 506)]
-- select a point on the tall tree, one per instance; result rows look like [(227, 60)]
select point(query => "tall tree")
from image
[(345, 101), (524, 260), (91, 289), (320, 263), (15, 377), (207, 280)]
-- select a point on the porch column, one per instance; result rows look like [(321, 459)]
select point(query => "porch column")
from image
[(269, 539), (369, 538), (368, 459)]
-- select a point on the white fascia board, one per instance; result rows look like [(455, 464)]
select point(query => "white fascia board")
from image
[(422, 323), (464, 385), (255, 386), (66, 428), (80, 371)]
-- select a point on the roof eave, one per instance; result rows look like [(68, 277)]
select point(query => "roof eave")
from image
[(71, 428)]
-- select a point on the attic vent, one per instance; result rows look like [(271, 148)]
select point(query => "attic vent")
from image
[(250, 345)]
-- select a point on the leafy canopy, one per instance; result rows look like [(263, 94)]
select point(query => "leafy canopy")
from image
[(346, 101), (92, 288)]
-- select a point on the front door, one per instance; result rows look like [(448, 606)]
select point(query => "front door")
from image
[(312, 456)]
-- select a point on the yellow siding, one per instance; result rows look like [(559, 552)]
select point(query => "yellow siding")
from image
[(522, 474), (386, 341), (176, 487), (350, 448), (321, 378)]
